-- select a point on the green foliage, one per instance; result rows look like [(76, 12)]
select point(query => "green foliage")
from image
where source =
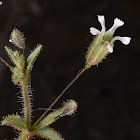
[(31, 58), (97, 51), (68, 109), (20, 77), (17, 76), (14, 121), (48, 133), (49, 119), (16, 58)]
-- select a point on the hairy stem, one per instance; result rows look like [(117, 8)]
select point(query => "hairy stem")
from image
[(66, 88), (27, 107), (23, 136)]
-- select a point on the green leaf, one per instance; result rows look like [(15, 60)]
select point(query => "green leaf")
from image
[(31, 58), (14, 121), (16, 58), (49, 119), (68, 109), (10, 52), (16, 76), (48, 133)]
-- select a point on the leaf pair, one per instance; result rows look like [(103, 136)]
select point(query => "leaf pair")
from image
[(42, 128), (19, 123), (23, 66)]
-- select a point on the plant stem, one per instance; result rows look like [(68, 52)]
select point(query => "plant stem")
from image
[(27, 107), (66, 88), (23, 136)]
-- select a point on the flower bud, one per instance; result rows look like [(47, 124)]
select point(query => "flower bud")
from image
[(17, 38), (69, 108)]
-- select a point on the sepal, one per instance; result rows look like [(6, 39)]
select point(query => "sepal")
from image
[(96, 53)]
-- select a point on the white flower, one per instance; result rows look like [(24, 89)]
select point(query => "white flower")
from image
[(0, 3), (108, 35)]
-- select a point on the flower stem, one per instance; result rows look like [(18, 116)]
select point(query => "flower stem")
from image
[(66, 88), (27, 107), (5, 63)]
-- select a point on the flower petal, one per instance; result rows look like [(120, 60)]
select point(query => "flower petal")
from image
[(110, 48), (117, 23), (124, 40), (94, 31), (101, 19)]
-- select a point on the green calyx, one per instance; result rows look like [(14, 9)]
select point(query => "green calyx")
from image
[(97, 51)]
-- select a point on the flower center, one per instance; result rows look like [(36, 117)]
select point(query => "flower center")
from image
[(107, 36)]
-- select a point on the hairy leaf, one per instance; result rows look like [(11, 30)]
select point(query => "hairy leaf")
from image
[(49, 119), (17, 76), (11, 53), (31, 58), (14, 121), (16, 58), (48, 133)]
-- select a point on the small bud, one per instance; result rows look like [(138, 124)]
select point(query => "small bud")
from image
[(17, 38), (97, 51), (69, 108)]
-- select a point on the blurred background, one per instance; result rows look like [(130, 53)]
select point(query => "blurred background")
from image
[(108, 95)]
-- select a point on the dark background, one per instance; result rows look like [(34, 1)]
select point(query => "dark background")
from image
[(108, 96)]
